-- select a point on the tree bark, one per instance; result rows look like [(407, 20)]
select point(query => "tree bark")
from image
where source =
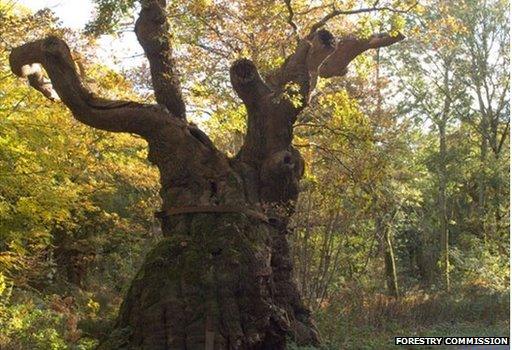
[(390, 265), (443, 212), (442, 175), (222, 277), (383, 231)]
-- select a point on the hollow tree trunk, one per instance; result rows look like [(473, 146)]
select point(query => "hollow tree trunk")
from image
[(213, 288), (222, 276), (218, 280)]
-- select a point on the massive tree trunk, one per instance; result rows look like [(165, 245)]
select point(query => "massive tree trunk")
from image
[(222, 276)]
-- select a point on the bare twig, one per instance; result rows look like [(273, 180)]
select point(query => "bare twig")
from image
[(290, 20), (375, 8)]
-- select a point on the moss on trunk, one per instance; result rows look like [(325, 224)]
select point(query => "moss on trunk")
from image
[(212, 288)]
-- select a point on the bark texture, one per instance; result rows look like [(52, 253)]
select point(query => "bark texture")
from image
[(222, 277)]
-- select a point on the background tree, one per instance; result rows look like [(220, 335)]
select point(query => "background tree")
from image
[(446, 59)]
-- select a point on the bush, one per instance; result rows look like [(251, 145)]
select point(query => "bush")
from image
[(29, 321)]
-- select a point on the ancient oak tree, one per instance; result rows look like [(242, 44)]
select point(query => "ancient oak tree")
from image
[(222, 276)]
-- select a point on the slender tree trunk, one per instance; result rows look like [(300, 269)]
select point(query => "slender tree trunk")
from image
[(305, 263), (443, 211), (386, 247), (442, 121), (427, 255), (389, 255), (484, 147), (390, 265)]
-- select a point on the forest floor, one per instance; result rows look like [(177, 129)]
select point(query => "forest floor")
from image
[(385, 340), (368, 322)]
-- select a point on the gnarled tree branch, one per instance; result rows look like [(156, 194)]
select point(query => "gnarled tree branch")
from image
[(301, 68), (273, 106), (247, 82), (152, 32), (53, 54), (257, 98), (349, 48)]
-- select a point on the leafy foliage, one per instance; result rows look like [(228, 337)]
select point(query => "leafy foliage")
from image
[(76, 206)]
